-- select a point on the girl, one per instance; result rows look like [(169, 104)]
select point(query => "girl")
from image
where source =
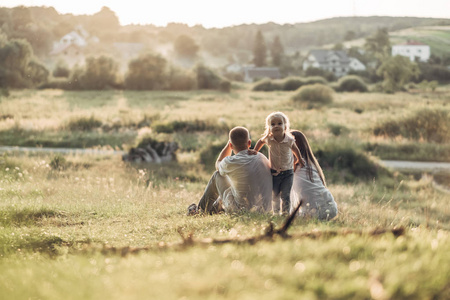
[(281, 146), (309, 185)]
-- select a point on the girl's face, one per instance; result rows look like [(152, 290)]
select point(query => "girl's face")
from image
[(277, 126)]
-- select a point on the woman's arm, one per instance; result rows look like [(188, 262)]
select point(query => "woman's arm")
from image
[(298, 156)]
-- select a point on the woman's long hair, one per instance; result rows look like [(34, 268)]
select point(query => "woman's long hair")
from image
[(308, 155)]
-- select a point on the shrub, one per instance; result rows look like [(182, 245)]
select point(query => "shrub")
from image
[(337, 129), (206, 78), (188, 126), (208, 156), (61, 70), (314, 94), (225, 86), (147, 72), (346, 164), (84, 124), (351, 83), (319, 72), (434, 72), (292, 83), (100, 73), (315, 79), (181, 80), (267, 85), (430, 125)]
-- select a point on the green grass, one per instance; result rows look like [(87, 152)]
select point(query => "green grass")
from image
[(71, 225)]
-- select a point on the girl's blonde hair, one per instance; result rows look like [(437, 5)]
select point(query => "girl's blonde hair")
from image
[(277, 114)]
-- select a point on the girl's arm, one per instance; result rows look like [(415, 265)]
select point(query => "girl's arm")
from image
[(298, 156), (257, 147)]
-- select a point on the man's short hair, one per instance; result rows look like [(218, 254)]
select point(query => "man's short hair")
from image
[(239, 136)]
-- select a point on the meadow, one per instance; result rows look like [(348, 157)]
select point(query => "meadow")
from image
[(94, 227)]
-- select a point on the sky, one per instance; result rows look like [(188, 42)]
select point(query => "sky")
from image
[(211, 13)]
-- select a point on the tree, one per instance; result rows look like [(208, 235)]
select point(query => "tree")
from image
[(277, 51), (259, 50), (396, 72), (147, 72), (18, 67), (185, 47), (378, 44), (100, 73)]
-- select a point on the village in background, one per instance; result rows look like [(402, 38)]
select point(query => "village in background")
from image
[(67, 51)]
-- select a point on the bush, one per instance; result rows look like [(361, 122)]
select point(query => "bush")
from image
[(84, 124), (188, 126), (351, 83), (314, 80), (346, 164), (429, 125), (267, 85), (314, 94), (100, 73), (293, 83), (61, 70), (319, 72), (208, 156), (434, 72), (147, 72), (181, 80), (206, 78), (225, 86)]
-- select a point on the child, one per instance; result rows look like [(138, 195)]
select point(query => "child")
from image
[(281, 145)]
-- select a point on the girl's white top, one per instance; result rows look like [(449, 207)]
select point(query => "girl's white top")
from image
[(280, 153), (317, 199)]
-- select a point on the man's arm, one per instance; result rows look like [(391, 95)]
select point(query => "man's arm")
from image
[(257, 147), (226, 151)]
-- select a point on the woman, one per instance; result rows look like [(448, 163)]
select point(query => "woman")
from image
[(310, 186)]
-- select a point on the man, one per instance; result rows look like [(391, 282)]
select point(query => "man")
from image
[(241, 182)]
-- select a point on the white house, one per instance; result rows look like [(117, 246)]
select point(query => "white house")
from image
[(333, 61), (356, 65), (413, 50)]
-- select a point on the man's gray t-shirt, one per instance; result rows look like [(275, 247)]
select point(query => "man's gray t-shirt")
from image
[(251, 182)]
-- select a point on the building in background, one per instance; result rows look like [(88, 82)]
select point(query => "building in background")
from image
[(413, 50)]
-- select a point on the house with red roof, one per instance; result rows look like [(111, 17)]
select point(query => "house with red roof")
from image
[(414, 50)]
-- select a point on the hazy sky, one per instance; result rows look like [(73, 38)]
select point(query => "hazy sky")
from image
[(210, 13)]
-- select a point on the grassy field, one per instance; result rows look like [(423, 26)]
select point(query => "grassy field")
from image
[(94, 227)]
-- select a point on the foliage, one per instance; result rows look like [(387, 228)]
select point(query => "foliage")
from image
[(430, 125), (378, 43), (84, 123), (100, 73), (147, 72), (397, 71), (351, 83), (61, 70), (314, 94), (346, 164), (185, 47), (277, 51), (292, 83), (432, 72), (207, 78), (181, 80), (259, 50), (265, 85), (18, 67), (313, 72)]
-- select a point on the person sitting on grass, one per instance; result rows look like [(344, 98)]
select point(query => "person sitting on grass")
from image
[(310, 186), (240, 182)]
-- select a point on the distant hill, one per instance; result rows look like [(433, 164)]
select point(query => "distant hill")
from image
[(42, 26)]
